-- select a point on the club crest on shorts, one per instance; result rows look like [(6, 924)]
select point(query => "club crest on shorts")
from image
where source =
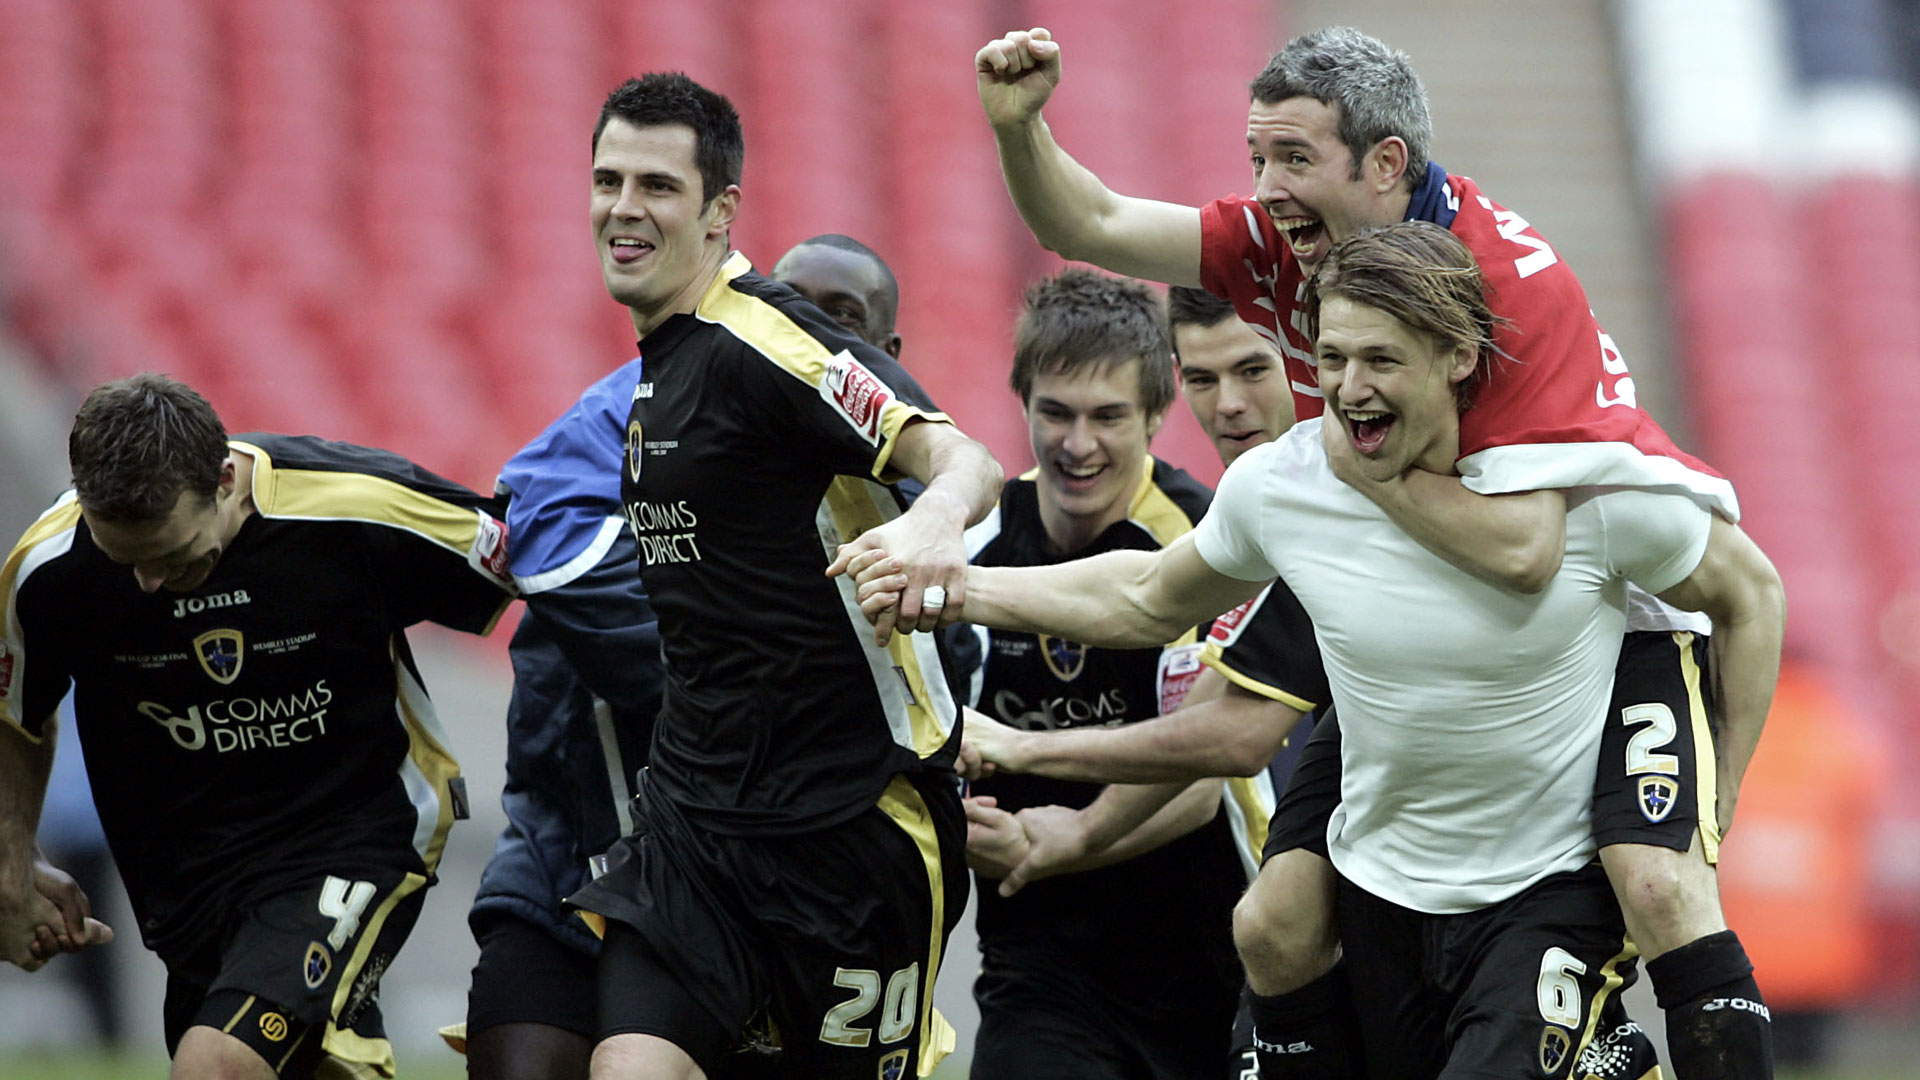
[(634, 449), (1657, 797), (220, 653), (318, 965), (1555, 1047), (893, 1066), (1066, 659)]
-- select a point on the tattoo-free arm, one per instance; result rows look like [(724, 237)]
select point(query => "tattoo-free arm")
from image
[(1738, 588)]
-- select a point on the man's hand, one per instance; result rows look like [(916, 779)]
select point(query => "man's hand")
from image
[(995, 745), (996, 842), (894, 565), (1017, 74), (77, 928), (1056, 842)]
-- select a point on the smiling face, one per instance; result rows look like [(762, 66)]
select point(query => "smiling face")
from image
[(1090, 435), (1236, 384), (177, 552), (659, 246), (1390, 387), (1305, 176)]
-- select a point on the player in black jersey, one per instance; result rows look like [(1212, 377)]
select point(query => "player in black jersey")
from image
[(1248, 713), (799, 849), (1126, 970), (586, 689), (272, 780)]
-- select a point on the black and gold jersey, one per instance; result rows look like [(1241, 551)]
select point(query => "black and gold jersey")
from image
[(269, 725), (1171, 906), (1266, 645), (758, 442)]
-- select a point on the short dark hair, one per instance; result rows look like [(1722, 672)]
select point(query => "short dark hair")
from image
[(1079, 317), (669, 97), (889, 307), (138, 443), (1422, 275), (1194, 307), (1372, 85)]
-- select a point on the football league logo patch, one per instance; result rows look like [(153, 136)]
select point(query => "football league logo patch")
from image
[(856, 394), (1066, 659), (318, 965), (1555, 1046), (220, 653), (1657, 797), (893, 1066)]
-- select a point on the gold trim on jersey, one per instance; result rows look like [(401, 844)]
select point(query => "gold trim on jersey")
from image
[(1212, 655), (789, 346), (919, 710), (344, 1043), (902, 803), (1611, 981), (1706, 771), (433, 765), (62, 519), (1250, 802), (1155, 511), (324, 495)]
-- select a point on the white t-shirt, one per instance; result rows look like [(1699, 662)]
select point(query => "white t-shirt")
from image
[(1470, 715)]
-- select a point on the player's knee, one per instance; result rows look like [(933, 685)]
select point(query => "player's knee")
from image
[(210, 1054), (1281, 947), (634, 1056), (1668, 897)]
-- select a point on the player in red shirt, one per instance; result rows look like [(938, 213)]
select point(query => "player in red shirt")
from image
[(1337, 133)]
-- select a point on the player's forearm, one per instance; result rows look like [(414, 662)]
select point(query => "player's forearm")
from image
[(1191, 805), (1106, 600), (1059, 199), (963, 480), (1515, 541), (1746, 653), (23, 788), (1214, 738)]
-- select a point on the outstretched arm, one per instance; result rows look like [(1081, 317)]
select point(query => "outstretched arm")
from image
[(1222, 730), (1068, 208), (1740, 591), (1116, 600)]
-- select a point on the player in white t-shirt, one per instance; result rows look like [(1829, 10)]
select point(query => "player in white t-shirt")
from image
[(1481, 934)]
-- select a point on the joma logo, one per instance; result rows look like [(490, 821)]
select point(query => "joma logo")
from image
[(194, 605)]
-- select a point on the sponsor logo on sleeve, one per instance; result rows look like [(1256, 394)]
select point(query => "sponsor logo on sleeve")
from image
[(489, 555), (220, 653), (1227, 628), (1179, 667), (856, 394)]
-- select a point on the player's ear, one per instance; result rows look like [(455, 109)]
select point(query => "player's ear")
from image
[(722, 210), (1386, 164), (1461, 363), (893, 346)]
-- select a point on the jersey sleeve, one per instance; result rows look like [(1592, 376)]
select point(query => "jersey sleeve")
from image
[(845, 408), (440, 549), (1228, 538), (1654, 539), (33, 678), (1266, 646)]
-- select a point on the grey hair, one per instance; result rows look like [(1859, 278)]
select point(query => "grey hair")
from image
[(1372, 84)]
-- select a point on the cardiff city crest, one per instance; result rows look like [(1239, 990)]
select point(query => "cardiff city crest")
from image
[(220, 653)]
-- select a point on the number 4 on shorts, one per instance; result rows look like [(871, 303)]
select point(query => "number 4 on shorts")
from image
[(344, 902)]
